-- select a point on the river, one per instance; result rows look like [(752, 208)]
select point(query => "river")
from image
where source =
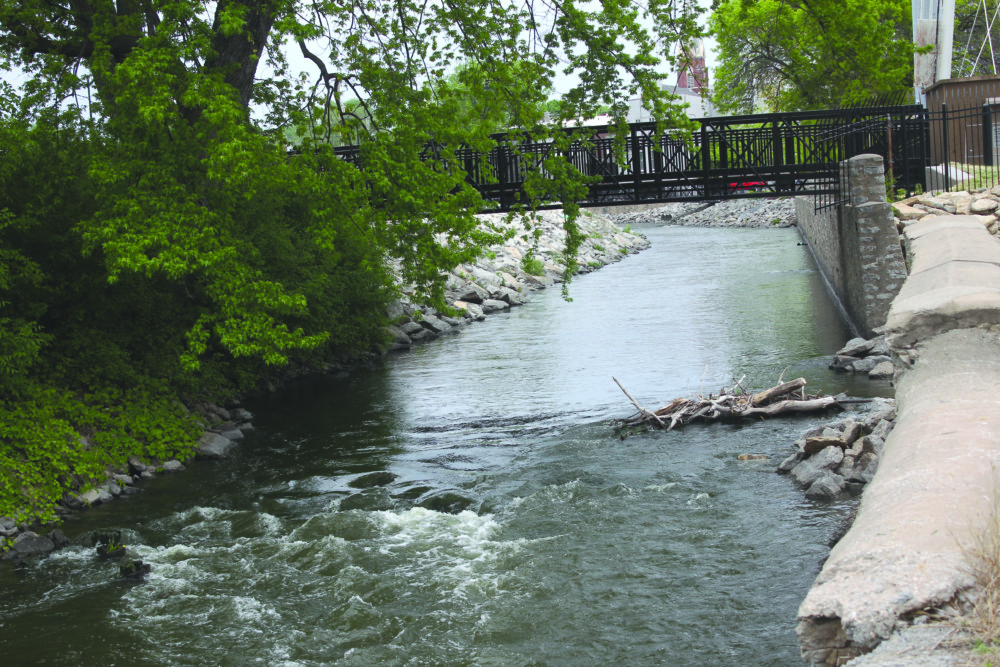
[(509, 525)]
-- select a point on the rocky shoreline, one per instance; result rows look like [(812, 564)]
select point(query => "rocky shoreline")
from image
[(502, 279), (752, 213)]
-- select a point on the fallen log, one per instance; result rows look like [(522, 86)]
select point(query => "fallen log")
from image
[(730, 404)]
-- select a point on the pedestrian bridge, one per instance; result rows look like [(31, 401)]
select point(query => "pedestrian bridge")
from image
[(763, 155)]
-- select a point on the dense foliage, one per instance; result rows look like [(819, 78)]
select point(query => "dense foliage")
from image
[(158, 238), (787, 55), (976, 47)]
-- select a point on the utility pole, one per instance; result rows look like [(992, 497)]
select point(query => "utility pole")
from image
[(933, 25)]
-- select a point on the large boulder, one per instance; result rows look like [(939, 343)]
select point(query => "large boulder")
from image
[(29, 544), (494, 305), (211, 446), (435, 324), (826, 487)]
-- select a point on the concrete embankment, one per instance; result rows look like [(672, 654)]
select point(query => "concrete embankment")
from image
[(905, 558)]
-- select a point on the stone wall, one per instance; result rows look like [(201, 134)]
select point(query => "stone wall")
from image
[(856, 244)]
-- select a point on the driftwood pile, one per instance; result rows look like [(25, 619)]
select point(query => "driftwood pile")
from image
[(731, 404)]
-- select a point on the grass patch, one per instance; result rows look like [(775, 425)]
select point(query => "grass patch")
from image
[(983, 557), (533, 266)]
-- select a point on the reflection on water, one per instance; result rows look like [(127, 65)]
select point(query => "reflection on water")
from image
[(507, 524)]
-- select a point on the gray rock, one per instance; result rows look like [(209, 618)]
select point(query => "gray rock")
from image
[(868, 363), (172, 465), (241, 415), (828, 486), (397, 339), (493, 306), (828, 459), (247, 427), (846, 466), (410, 328), (96, 496), (212, 446), (856, 347), (818, 443), (221, 413), (124, 480), (474, 311), (843, 363), (983, 206), (880, 348), (113, 488), (883, 429), (805, 473), (147, 474), (789, 463), (484, 277), (6, 523), (423, 334), (58, 538), (435, 324), (472, 293), (510, 296), (29, 544), (852, 431), (136, 465), (883, 371), (813, 432), (232, 434)]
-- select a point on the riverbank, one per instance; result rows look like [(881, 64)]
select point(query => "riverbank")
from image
[(908, 559), (502, 279), (753, 213)]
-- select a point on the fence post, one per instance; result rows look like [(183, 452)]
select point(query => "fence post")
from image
[(636, 164), (706, 157), (947, 154), (987, 135), (891, 176), (501, 152)]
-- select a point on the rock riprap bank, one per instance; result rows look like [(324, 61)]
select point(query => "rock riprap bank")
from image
[(983, 204), (504, 278), (508, 273), (755, 213), (841, 457)]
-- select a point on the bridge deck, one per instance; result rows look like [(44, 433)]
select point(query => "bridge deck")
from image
[(763, 155)]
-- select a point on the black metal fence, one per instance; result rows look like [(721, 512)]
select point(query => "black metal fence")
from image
[(923, 151), (763, 155)]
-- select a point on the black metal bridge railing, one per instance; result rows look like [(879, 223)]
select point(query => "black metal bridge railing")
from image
[(763, 155)]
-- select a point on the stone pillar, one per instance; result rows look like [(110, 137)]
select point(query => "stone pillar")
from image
[(857, 246), (873, 265)]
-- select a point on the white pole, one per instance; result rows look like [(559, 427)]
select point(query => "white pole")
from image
[(946, 34)]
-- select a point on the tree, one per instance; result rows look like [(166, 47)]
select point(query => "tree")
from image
[(186, 132), (976, 47), (786, 55)]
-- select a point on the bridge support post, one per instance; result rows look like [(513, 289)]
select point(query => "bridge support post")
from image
[(856, 244)]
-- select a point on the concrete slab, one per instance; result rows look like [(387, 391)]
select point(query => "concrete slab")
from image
[(933, 489), (952, 295), (939, 222), (953, 245), (930, 645)]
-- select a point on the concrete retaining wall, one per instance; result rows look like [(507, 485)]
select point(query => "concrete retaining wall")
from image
[(856, 244), (936, 483)]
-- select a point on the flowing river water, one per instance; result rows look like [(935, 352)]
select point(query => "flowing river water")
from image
[(510, 524)]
